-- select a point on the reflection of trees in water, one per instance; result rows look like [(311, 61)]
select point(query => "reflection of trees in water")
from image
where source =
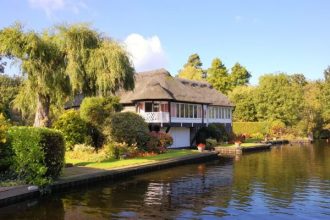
[(281, 175)]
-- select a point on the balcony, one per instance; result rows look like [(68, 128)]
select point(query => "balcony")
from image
[(156, 117)]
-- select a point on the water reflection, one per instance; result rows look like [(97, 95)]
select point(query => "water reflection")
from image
[(286, 182)]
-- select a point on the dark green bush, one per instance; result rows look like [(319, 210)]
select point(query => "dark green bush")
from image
[(38, 153), (5, 148), (127, 127), (96, 109), (214, 131), (74, 129), (218, 132)]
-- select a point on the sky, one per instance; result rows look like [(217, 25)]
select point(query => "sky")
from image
[(265, 36)]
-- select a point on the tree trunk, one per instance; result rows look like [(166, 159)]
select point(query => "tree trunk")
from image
[(42, 114)]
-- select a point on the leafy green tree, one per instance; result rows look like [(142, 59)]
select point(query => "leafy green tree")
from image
[(239, 75), (96, 110), (192, 69), (244, 99), (9, 88), (66, 60), (218, 76), (277, 98)]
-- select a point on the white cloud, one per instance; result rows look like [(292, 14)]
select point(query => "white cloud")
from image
[(50, 6), (146, 53)]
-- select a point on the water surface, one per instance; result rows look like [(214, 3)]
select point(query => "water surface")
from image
[(288, 182)]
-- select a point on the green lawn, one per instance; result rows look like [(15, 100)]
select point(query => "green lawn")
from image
[(109, 164)]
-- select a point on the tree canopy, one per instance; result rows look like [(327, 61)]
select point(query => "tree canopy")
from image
[(192, 69), (217, 76), (64, 61)]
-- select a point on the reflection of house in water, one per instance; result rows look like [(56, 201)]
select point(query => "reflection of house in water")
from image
[(208, 185)]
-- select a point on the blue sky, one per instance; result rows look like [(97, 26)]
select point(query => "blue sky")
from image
[(266, 36)]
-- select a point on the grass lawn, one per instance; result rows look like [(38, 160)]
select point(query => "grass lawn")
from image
[(113, 163)]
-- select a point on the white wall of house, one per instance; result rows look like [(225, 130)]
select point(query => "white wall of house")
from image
[(181, 137)]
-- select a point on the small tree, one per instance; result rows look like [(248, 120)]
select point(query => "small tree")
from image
[(96, 110), (127, 127)]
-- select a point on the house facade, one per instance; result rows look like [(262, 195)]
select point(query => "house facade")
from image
[(178, 106)]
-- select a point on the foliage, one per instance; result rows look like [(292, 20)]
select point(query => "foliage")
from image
[(218, 132), (9, 87), (277, 128), (74, 129), (251, 128), (5, 148), (159, 141), (38, 153), (239, 76), (279, 98), (243, 97), (117, 150), (192, 69), (218, 76), (210, 144), (96, 109), (66, 60), (127, 127), (86, 153)]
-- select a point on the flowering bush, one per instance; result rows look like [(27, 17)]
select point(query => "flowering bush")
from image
[(159, 142)]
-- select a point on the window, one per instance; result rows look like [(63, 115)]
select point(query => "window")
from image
[(195, 111), (156, 107), (191, 111), (164, 107), (182, 110), (199, 111), (186, 110), (173, 110), (148, 106)]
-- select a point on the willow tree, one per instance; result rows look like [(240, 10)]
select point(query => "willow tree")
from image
[(66, 60)]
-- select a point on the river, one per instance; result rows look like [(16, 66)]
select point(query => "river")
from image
[(287, 182)]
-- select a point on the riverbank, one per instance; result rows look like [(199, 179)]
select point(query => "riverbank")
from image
[(233, 150), (78, 176)]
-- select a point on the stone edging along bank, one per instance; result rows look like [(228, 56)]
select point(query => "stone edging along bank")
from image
[(22, 193)]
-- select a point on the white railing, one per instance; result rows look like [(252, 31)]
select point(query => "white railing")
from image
[(156, 117)]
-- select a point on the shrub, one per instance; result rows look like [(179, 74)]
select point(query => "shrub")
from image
[(251, 127), (257, 135), (277, 128), (96, 109), (74, 129), (38, 153), (218, 132), (87, 153), (117, 150), (5, 149), (210, 144), (159, 142), (127, 127)]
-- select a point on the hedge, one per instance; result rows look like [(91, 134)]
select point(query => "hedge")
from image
[(251, 127), (38, 153)]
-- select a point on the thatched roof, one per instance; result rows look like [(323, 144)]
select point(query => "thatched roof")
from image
[(160, 85)]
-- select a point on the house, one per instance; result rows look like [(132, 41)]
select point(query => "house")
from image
[(176, 105)]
